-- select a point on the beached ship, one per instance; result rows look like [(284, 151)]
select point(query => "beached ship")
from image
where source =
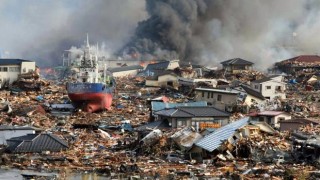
[(91, 90)]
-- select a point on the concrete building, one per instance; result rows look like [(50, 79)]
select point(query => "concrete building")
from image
[(219, 98), (11, 68), (270, 87)]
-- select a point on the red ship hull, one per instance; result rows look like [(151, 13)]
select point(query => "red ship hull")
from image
[(92, 102)]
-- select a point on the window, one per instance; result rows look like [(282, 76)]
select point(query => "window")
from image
[(202, 94), (208, 95), (181, 123), (3, 69), (268, 87), (256, 86), (211, 95), (14, 69), (219, 97)]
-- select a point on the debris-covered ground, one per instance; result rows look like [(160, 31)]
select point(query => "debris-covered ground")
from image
[(107, 142)]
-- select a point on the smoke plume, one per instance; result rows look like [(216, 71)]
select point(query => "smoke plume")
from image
[(211, 31), (201, 31)]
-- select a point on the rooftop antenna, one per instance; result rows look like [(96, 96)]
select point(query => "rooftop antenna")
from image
[(87, 40)]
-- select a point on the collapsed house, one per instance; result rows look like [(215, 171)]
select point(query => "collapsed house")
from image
[(300, 63), (241, 139)]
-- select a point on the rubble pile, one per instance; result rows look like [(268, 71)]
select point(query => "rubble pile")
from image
[(29, 82), (109, 142), (245, 76)]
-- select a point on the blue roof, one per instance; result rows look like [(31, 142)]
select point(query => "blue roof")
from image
[(12, 61), (156, 106), (214, 140)]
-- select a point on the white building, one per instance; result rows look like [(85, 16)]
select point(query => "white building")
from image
[(270, 87), (11, 68), (125, 71), (273, 118)]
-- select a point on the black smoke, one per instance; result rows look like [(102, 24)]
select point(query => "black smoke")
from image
[(211, 31)]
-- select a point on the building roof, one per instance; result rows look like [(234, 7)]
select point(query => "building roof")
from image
[(216, 90), (252, 92), (161, 124), (262, 80), (236, 61), (214, 140), (158, 74), (36, 143), (304, 58), (13, 61), (160, 65), (125, 68), (156, 106), (193, 111)]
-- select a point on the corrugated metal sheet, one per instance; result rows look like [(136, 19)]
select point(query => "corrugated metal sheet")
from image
[(156, 106), (214, 140)]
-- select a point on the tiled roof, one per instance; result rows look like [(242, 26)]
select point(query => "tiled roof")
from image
[(193, 111), (236, 61), (36, 143), (12, 61), (156, 106), (160, 65), (216, 90), (161, 124), (304, 58), (252, 92), (214, 140), (125, 68)]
